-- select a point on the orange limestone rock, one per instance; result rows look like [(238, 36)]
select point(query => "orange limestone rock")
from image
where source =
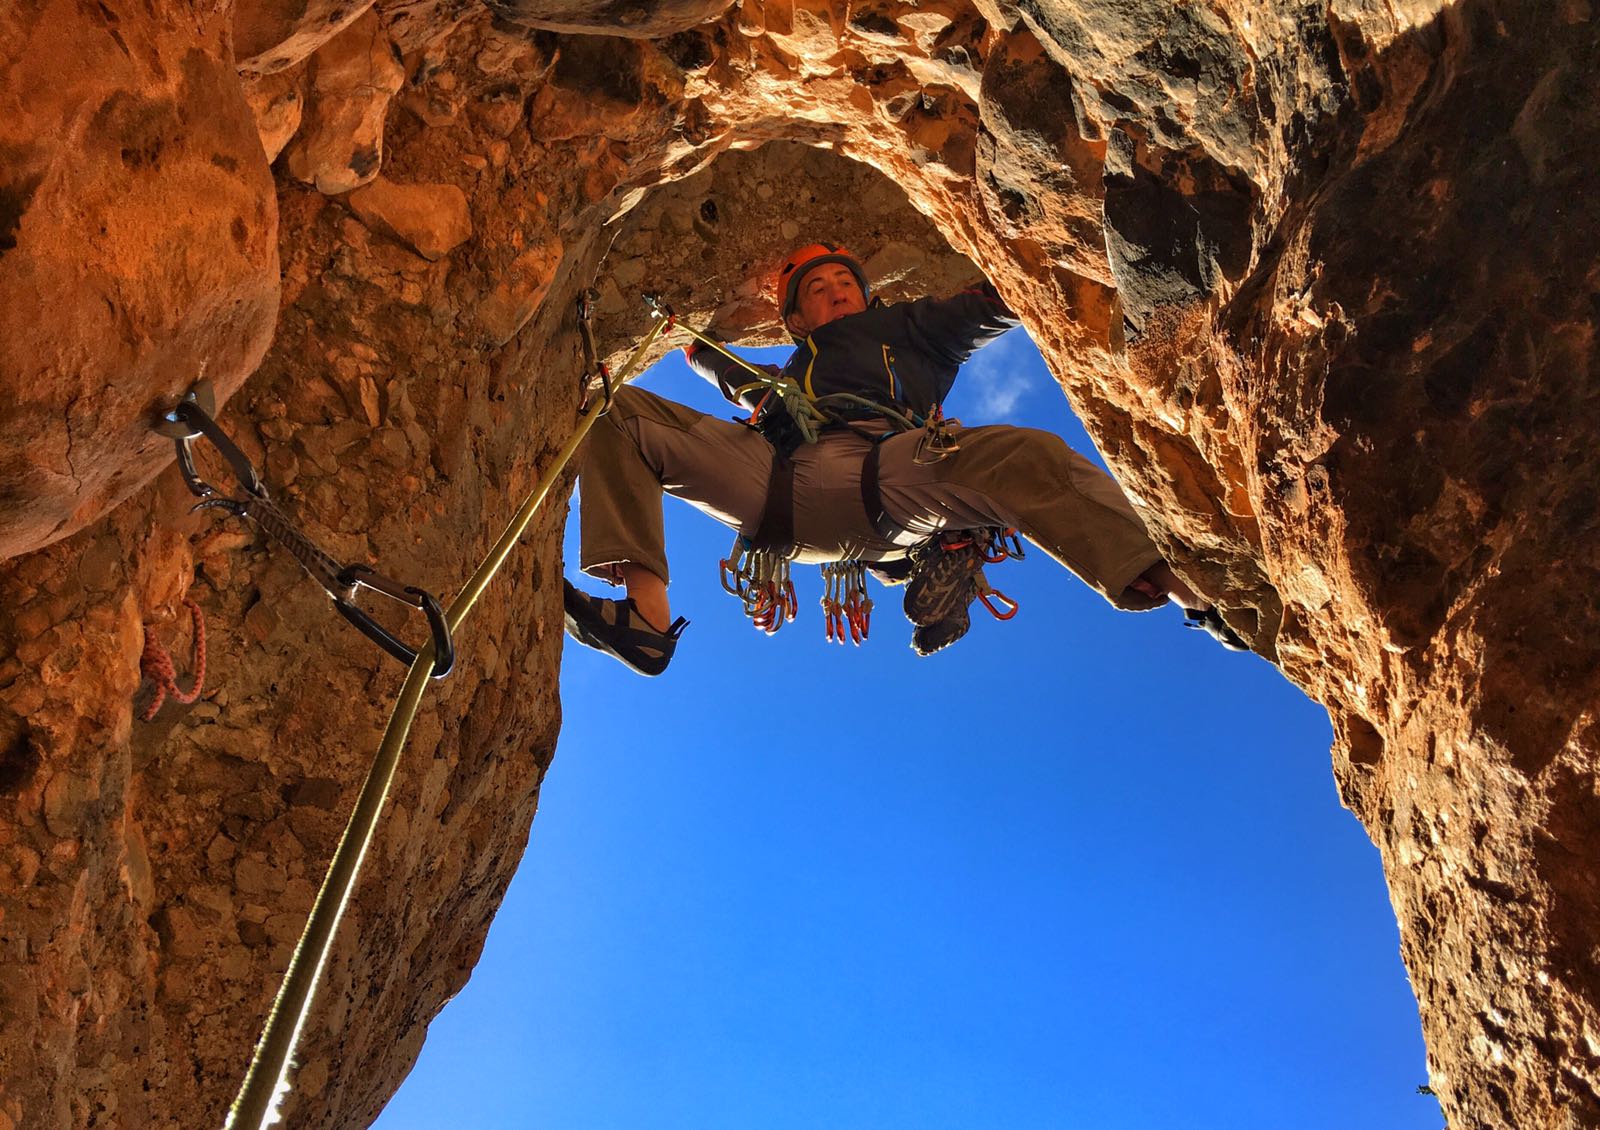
[(138, 250), (1320, 279)]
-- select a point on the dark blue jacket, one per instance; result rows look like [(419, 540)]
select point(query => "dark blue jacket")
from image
[(905, 355)]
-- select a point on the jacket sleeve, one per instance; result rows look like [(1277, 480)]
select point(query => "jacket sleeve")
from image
[(953, 328), (728, 375)]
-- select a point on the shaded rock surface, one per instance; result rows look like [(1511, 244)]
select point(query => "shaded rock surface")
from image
[(352, 78), (1319, 278)]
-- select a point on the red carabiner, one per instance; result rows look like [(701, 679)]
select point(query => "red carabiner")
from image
[(860, 615), (1011, 605)]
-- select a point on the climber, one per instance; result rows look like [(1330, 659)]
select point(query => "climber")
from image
[(864, 490)]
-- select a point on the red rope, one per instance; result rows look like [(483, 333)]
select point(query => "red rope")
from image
[(156, 665)]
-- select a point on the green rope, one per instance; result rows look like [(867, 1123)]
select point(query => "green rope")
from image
[(265, 1083)]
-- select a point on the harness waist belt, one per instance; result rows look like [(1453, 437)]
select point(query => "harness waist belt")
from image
[(775, 531)]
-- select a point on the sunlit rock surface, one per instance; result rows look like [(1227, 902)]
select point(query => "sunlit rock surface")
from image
[(138, 245), (1320, 278)]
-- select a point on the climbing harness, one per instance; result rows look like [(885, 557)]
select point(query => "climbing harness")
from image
[(195, 416), (264, 1083), (156, 665)]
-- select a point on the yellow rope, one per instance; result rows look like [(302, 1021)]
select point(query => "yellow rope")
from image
[(265, 1083)]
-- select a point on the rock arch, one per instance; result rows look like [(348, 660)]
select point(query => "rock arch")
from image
[(1318, 277)]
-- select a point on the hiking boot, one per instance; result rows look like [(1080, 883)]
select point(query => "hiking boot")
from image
[(616, 628), (926, 640), (942, 583), (1211, 623)]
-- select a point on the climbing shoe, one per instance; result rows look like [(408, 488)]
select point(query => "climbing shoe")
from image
[(1211, 623), (929, 638), (616, 628), (942, 583)]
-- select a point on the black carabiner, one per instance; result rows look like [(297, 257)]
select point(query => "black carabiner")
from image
[(363, 576)]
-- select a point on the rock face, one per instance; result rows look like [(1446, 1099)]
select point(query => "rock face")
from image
[(1321, 279), (138, 249)]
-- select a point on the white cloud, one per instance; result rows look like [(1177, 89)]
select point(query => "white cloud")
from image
[(994, 383)]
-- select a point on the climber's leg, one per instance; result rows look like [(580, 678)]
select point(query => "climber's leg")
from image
[(1031, 480), (648, 592), (1160, 580), (643, 446)]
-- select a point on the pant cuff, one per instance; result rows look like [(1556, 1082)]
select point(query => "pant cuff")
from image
[(606, 566), (1129, 600)]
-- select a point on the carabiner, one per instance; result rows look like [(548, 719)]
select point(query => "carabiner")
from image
[(1011, 606), (364, 577), (195, 417)]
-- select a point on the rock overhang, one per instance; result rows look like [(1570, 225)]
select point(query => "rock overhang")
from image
[(1318, 279)]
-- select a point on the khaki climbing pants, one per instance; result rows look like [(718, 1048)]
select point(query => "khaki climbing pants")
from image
[(1002, 476)]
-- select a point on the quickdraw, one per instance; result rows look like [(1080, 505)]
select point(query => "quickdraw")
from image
[(845, 604), (195, 417), (1003, 545), (760, 579), (993, 545), (762, 582), (594, 369)]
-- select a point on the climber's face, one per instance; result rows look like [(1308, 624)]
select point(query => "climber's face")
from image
[(826, 293)]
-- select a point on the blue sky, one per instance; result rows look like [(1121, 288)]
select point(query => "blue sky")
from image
[(1083, 869)]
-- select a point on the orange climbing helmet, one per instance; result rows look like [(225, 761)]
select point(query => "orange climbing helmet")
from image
[(800, 262)]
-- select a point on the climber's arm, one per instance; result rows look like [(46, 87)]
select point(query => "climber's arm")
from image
[(724, 372), (954, 328)]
